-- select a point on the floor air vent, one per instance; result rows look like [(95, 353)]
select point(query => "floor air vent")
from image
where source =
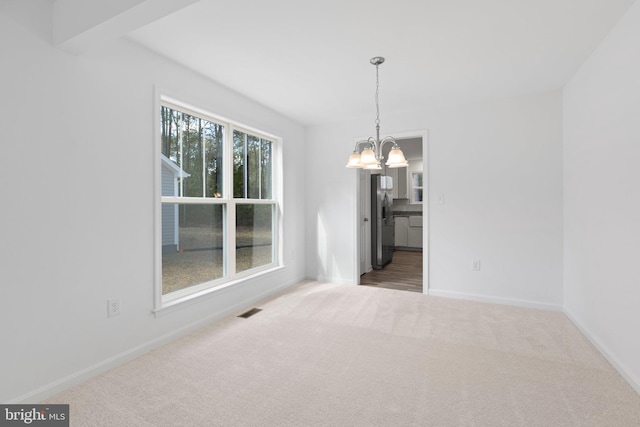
[(250, 313)]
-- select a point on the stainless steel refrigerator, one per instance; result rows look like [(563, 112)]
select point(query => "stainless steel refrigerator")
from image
[(382, 230)]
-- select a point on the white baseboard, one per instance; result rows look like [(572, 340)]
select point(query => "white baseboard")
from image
[(85, 374), (335, 280), (495, 300), (608, 354)]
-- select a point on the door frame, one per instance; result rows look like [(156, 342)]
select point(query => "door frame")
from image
[(364, 211)]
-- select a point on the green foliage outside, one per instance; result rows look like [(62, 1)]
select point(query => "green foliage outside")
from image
[(196, 146)]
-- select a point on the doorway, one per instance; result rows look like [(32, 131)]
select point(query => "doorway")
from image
[(408, 269), (403, 273)]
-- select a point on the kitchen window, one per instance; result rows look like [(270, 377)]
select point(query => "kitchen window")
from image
[(416, 187), (218, 215)]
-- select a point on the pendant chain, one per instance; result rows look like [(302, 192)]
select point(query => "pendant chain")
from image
[(377, 98)]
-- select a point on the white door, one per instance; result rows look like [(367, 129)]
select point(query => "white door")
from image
[(364, 208)]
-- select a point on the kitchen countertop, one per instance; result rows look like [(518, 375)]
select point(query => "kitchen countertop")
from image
[(407, 213)]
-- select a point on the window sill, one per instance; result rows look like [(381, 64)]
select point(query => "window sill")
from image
[(179, 303)]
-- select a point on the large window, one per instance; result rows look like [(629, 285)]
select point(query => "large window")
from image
[(218, 210)]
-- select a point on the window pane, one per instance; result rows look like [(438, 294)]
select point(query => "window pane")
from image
[(253, 167), (266, 167), (193, 155), (214, 140), (192, 245), (254, 236), (239, 139), (170, 120), (417, 179)]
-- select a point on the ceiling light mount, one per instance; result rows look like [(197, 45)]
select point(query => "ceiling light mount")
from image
[(368, 153)]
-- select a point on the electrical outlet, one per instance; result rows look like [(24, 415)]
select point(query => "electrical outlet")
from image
[(476, 265), (113, 307)]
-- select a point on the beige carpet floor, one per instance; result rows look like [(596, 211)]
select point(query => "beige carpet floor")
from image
[(335, 355)]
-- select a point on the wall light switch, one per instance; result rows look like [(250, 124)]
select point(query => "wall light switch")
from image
[(441, 199), (476, 265)]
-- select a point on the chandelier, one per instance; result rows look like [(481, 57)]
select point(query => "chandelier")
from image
[(368, 153)]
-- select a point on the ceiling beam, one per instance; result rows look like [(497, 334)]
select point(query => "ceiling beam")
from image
[(79, 25)]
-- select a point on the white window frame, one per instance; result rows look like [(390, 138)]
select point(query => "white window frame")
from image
[(163, 303), (415, 187)]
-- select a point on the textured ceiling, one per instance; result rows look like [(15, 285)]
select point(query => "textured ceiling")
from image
[(310, 60)]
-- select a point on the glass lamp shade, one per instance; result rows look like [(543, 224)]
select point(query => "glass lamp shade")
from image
[(354, 161), (396, 159), (368, 157)]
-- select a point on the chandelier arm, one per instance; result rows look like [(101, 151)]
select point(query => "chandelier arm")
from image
[(364, 141), (386, 140)]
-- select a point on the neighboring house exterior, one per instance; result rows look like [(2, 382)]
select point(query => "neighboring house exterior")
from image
[(170, 175)]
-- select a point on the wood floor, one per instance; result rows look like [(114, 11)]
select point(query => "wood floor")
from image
[(403, 273)]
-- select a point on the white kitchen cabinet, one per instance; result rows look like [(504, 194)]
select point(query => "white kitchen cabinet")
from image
[(414, 231), (402, 231), (408, 231), (400, 187)]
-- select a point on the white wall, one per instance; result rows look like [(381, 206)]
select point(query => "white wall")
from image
[(75, 233), (78, 207), (499, 166), (602, 197)]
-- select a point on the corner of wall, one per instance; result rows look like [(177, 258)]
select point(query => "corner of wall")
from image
[(623, 370)]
